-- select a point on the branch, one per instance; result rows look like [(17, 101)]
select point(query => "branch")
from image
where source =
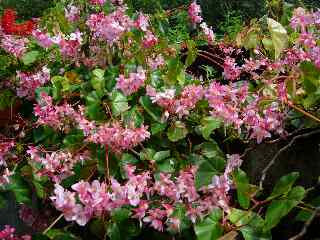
[(303, 112), (306, 225), (273, 160)]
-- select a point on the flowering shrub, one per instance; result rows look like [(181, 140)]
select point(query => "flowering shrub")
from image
[(123, 136)]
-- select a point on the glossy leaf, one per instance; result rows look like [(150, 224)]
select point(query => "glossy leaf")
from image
[(208, 125), (177, 131), (279, 36), (280, 208), (210, 228), (243, 188), (284, 185), (30, 57), (119, 103)]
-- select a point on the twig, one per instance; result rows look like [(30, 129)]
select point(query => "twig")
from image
[(306, 225), (53, 223), (273, 160), (303, 112)]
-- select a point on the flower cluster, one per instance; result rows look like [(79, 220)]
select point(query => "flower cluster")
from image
[(57, 165), (194, 12), (64, 117), (132, 83), (43, 39), (181, 105), (69, 45), (208, 32), (155, 62), (29, 82), (72, 13), (119, 138), (8, 233), (97, 199), (110, 27), (16, 46), (230, 69), (231, 104), (5, 148)]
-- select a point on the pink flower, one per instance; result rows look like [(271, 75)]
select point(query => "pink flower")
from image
[(97, 2), (118, 138), (149, 40), (132, 83), (301, 19), (194, 12), (14, 45), (231, 70), (140, 211), (30, 82), (72, 13), (8, 233), (155, 218), (208, 32), (142, 22), (181, 105), (156, 62), (5, 177), (57, 165), (43, 39), (110, 27), (5, 147)]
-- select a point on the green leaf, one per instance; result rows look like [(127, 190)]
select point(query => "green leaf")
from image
[(210, 228), (113, 231), (192, 53), (58, 234), (30, 57), (74, 139), (209, 124), (120, 214), (20, 189), (243, 188), (97, 79), (284, 185), (166, 166), (40, 190), (133, 117), (158, 127), (159, 156), (279, 36), (174, 69), (310, 75), (119, 103), (304, 215), (177, 131), (250, 223), (153, 110), (280, 208), (251, 40), (212, 162)]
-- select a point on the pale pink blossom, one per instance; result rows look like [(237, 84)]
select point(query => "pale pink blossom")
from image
[(132, 83), (194, 12)]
